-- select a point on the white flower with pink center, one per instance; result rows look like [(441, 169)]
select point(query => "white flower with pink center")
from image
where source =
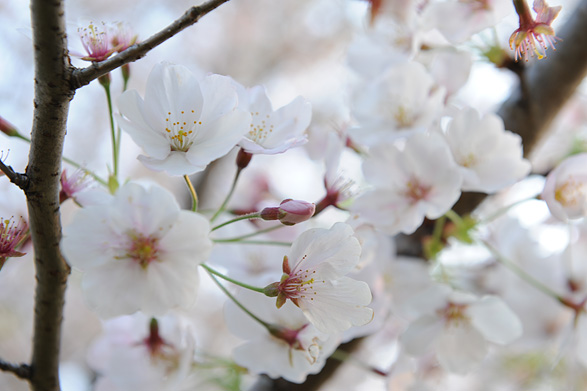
[(317, 284), (565, 190), (183, 124), (138, 251), (138, 353), (490, 157), (273, 131), (420, 180), (293, 348), (458, 327)]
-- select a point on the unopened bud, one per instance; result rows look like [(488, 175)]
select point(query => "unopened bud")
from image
[(295, 211), (243, 159), (7, 128), (289, 212)]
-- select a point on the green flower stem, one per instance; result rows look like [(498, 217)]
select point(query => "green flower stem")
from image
[(239, 238), (523, 275), (241, 284), (255, 215), (504, 210), (192, 192), (438, 227), (231, 297), (266, 242), (115, 148), (228, 196), (454, 217), (69, 161)]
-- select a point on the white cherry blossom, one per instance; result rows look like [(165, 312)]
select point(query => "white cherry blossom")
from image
[(183, 124), (458, 327), (293, 350), (138, 353), (406, 98), (273, 131), (138, 252), (317, 284), (490, 157), (565, 190), (420, 180)]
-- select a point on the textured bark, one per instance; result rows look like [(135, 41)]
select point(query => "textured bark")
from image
[(51, 105)]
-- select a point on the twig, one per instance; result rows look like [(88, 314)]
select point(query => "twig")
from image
[(18, 179), (82, 77), (22, 371)]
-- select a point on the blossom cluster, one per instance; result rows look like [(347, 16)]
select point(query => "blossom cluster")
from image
[(146, 266)]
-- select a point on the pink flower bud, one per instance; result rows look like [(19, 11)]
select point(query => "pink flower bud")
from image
[(295, 211), (289, 212), (7, 128)]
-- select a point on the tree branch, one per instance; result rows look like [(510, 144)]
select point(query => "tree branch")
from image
[(51, 105), (22, 371), (82, 77), (18, 179)]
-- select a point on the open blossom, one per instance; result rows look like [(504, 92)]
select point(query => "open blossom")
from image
[(420, 180), (183, 124), (293, 349), (490, 157), (11, 236), (459, 20), (138, 353), (534, 36), (96, 41), (273, 131), (316, 282), (122, 37), (73, 184), (458, 327), (138, 251), (405, 99), (565, 190)]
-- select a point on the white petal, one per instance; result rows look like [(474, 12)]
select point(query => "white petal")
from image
[(420, 335), (338, 305), (460, 347), (338, 246), (495, 320)]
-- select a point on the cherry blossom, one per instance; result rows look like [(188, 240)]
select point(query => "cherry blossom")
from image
[(138, 353), (96, 41), (420, 180), (565, 190), (142, 240), (293, 349), (459, 20), (534, 36), (273, 131), (11, 236), (183, 124), (458, 326), (316, 282), (72, 185), (490, 158), (405, 98)]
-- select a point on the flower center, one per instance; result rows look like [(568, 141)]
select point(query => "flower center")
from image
[(181, 129), (416, 191), (570, 193), (143, 249), (403, 117), (454, 313), (259, 129)]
